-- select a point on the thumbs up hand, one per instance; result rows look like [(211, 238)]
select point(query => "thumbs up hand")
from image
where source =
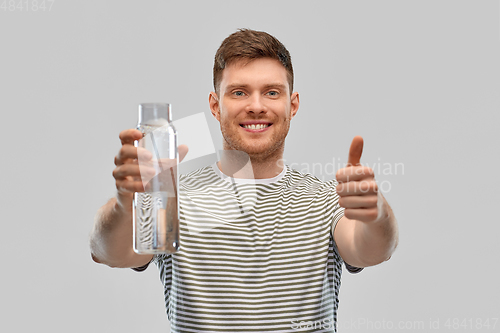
[(357, 188)]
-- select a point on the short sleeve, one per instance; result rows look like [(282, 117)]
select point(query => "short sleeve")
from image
[(333, 211), (352, 269), (143, 268)]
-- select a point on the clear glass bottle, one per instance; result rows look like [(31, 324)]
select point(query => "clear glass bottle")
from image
[(155, 211)]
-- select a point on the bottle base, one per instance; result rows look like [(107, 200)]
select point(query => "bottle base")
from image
[(174, 247)]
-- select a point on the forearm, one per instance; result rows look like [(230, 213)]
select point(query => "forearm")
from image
[(111, 237), (375, 242)]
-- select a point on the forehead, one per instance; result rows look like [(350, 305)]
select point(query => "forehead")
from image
[(255, 72)]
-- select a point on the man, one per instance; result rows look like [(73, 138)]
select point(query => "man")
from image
[(261, 244)]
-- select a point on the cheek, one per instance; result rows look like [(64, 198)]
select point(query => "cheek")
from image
[(229, 117), (226, 121)]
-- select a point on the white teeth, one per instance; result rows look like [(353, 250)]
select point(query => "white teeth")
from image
[(256, 126)]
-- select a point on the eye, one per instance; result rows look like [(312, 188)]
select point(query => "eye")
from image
[(273, 93), (238, 93)]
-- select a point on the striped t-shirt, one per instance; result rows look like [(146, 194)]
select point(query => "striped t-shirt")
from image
[(255, 256)]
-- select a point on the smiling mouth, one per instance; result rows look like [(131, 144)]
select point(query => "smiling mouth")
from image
[(256, 126)]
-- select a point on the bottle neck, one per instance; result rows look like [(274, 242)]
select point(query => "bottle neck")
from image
[(155, 114)]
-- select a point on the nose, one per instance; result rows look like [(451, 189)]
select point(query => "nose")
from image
[(256, 104)]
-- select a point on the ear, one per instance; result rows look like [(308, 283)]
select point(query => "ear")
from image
[(213, 101), (294, 104)]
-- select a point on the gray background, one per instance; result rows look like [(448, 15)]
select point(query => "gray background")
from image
[(419, 80)]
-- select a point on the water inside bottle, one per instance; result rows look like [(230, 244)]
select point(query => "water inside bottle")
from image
[(156, 223)]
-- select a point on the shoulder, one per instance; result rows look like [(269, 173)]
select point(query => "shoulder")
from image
[(306, 181), (196, 173), (199, 175)]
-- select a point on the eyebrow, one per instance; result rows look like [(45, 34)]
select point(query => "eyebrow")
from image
[(267, 86)]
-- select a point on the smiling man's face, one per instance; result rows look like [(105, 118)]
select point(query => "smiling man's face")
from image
[(254, 107)]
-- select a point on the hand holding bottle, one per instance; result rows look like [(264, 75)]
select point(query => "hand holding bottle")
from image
[(130, 175)]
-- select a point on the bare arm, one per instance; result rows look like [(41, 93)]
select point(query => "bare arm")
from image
[(111, 238)]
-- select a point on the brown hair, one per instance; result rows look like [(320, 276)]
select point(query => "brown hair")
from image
[(249, 45)]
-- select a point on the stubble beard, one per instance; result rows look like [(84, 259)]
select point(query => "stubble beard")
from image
[(262, 152)]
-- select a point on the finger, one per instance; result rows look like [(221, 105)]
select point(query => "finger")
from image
[(130, 135), (354, 173), (133, 170), (128, 153), (361, 214), (359, 201), (143, 155), (363, 187), (183, 150), (355, 151), (128, 185)]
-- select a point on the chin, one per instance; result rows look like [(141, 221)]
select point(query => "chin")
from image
[(261, 152), (257, 148)]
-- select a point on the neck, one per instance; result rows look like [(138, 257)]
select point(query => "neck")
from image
[(238, 164)]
